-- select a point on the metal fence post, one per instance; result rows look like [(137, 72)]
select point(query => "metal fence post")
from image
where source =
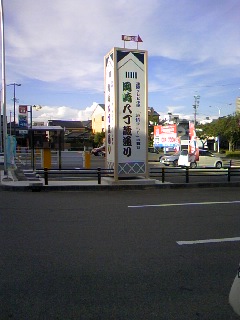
[(99, 175), (187, 175), (229, 174), (46, 176), (163, 175)]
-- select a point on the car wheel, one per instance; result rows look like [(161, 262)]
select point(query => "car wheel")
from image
[(193, 165), (219, 165), (175, 163)]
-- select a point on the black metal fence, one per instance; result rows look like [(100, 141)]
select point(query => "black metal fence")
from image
[(163, 174), (187, 175), (76, 174)]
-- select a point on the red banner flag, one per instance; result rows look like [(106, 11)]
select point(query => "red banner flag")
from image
[(131, 38)]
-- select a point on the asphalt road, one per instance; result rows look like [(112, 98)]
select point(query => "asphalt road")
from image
[(118, 255)]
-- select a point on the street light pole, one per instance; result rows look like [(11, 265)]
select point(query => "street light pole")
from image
[(31, 117), (14, 104), (195, 106), (4, 91), (219, 111), (1, 123), (10, 127), (37, 108)]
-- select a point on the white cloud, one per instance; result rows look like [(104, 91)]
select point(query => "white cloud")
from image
[(191, 44), (61, 113)]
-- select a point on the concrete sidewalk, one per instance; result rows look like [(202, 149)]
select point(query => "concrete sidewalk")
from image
[(11, 183)]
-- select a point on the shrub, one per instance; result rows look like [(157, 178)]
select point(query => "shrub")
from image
[(233, 154)]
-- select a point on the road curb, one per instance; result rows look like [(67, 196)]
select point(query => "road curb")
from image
[(43, 188)]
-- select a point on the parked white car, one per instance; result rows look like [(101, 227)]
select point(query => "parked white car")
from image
[(153, 154), (172, 159), (206, 159)]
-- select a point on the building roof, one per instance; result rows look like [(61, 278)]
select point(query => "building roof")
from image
[(87, 124), (74, 135), (46, 128), (102, 105), (66, 123)]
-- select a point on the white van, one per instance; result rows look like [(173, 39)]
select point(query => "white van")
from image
[(206, 159)]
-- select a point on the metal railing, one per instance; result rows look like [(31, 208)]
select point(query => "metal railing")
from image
[(164, 174), (97, 173), (159, 173)]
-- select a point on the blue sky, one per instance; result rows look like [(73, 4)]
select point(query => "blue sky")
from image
[(55, 49)]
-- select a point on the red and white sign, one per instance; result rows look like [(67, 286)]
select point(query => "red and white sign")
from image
[(22, 109), (165, 136)]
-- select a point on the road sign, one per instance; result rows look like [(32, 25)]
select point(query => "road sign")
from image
[(23, 131)]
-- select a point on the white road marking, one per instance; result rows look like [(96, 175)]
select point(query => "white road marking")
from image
[(180, 243), (193, 204), (184, 204)]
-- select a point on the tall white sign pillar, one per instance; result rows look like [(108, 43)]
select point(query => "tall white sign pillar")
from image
[(126, 112)]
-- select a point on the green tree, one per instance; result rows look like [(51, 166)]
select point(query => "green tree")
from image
[(203, 132), (228, 128), (231, 130), (99, 138)]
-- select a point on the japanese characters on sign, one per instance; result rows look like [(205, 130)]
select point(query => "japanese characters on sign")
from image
[(22, 117), (132, 108), (165, 136), (109, 108), (22, 121), (22, 109), (126, 111), (129, 119)]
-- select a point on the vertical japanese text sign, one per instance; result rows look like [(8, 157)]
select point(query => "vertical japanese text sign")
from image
[(126, 111)]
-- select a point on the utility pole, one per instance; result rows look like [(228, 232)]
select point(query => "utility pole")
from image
[(195, 107), (4, 91), (14, 104), (1, 119)]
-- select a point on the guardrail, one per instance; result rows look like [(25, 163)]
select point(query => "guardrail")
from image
[(230, 162), (163, 173), (160, 173), (97, 173)]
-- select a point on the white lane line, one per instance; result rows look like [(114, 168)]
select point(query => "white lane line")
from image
[(184, 204), (180, 243)]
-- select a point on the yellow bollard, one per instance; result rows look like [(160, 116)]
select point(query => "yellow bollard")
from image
[(47, 161), (87, 160)]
